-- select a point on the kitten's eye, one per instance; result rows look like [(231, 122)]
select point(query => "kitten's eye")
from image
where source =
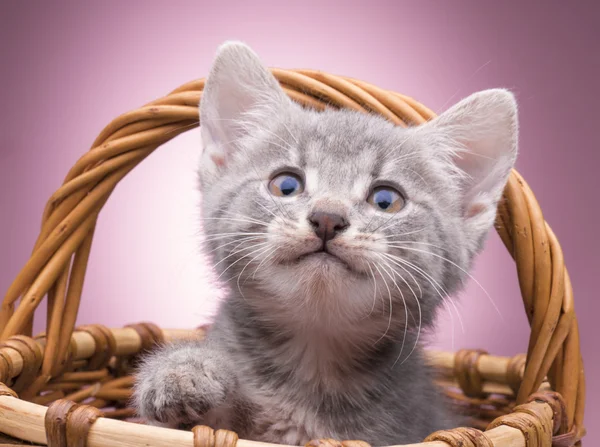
[(286, 184), (386, 199)]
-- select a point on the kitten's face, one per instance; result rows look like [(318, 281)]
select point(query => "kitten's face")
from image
[(348, 165), (342, 213)]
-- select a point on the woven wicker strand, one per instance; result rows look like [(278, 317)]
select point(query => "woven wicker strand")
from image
[(58, 263)]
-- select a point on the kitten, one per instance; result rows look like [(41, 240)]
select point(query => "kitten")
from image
[(341, 236)]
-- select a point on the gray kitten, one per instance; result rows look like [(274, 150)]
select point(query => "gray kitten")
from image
[(341, 235)]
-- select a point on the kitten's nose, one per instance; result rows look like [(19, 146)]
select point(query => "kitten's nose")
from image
[(327, 225)]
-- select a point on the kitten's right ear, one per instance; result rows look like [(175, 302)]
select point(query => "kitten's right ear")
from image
[(240, 94), (478, 137)]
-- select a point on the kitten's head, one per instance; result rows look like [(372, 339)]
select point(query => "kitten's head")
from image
[(343, 215)]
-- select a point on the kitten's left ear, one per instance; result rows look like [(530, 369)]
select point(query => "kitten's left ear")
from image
[(240, 93), (481, 135)]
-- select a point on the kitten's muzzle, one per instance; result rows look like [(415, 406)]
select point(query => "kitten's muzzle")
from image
[(327, 225)]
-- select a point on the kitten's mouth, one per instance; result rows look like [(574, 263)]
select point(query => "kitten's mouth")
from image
[(325, 255)]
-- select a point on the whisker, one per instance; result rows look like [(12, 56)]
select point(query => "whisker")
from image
[(376, 265), (418, 306), (238, 260), (264, 129), (398, 244), (230, 219), (405, 310), (396, 273), (242, 272), (436, 286), (418, 175), (239, 251), (374, 289), (218, 236), (366, 230), (402, 234), (241, 241), (261, 262), (290, 132), (448, 303), (268, 210), (386, 221), (244, 216), (411, 275), (462, 270), (403, 156)]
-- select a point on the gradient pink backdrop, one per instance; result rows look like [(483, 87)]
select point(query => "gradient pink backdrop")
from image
[(68, 68)]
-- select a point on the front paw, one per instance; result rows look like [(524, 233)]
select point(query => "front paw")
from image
[(177, 386)]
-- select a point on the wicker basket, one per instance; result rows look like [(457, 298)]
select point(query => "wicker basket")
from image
[(74, 383)]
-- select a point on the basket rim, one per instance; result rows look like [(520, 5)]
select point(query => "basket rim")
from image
[(128, 341)]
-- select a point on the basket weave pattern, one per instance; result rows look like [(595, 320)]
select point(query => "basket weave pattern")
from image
[(529, 403)]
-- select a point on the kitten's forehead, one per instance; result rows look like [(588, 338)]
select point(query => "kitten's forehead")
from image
[(331, 140)]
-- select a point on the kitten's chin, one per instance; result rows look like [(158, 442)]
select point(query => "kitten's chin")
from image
[(322, 258)]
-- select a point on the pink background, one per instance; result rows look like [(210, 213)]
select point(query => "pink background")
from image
[(68, 68)]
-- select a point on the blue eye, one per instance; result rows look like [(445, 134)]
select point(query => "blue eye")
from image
[(286, 185), (386, 199)]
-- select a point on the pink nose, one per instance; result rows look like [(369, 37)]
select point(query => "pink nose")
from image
[(327, 225)]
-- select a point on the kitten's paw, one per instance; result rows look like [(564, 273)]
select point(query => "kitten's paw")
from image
[(177, 386)]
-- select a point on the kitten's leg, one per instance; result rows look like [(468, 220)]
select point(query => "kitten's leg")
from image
[(178, 384)]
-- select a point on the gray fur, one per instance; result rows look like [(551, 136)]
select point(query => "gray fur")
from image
[(308, 346)]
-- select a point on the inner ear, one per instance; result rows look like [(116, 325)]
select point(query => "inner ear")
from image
[(475, 143), (475, 209), (218, 159), (240, 95), (480, 138)]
